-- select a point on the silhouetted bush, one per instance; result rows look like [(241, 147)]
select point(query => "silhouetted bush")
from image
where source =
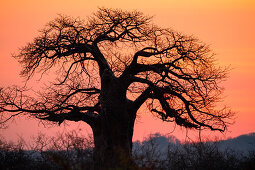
[(190, 156), (71, 151)]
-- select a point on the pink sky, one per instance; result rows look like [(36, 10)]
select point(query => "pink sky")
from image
[(228, 26)]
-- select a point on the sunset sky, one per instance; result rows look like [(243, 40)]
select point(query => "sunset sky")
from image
[(227, 25)]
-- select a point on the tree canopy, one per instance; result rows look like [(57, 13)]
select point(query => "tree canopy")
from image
[(174, 74)]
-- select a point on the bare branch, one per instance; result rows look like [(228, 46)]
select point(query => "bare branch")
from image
[(98, 63)]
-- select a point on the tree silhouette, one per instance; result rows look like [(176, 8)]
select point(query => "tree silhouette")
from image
[(106, 68)]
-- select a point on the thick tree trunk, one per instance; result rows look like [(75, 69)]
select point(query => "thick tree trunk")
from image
[(113, 146), (114, 130)]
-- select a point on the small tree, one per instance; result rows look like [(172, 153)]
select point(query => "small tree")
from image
[(106, 68)]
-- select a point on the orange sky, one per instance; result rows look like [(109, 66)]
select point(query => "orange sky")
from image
[(227, 25)]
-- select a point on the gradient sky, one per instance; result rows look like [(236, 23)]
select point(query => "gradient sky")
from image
[(227, 25)]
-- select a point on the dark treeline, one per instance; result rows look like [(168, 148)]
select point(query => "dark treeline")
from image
[(72, 151)]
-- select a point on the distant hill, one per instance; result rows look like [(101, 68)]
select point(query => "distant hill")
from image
[(241, 144)]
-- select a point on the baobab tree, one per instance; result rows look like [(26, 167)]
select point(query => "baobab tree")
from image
[(106, 68)]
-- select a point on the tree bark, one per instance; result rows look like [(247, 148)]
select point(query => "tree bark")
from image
[(113, 131), (113, 146)]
